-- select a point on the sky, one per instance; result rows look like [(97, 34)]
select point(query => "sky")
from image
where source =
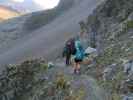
[(30, 5)]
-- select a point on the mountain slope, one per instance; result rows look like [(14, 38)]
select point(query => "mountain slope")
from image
[(14, 29), (39, 19), (49, 39)]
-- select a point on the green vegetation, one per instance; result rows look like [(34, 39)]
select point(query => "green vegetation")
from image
[(111, 55), (113, 86), (129, 24), (21, 78), (44, 67), (116, 96), (61, 82)]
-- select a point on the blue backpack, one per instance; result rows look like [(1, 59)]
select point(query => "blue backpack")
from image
[(79, 50)]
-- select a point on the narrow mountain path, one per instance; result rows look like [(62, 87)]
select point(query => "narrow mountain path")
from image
[(91, 90)]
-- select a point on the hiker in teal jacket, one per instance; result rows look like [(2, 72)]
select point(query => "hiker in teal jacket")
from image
[(79, 55)]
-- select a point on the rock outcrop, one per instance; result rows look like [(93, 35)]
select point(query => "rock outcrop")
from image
[(110, 30)]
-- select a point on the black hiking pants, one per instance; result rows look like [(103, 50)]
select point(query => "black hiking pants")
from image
[(68, 57)]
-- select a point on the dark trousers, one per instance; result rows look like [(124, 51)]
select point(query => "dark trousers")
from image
[(68, 57)]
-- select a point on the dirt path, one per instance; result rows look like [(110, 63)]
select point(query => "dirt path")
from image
[(91, 89)]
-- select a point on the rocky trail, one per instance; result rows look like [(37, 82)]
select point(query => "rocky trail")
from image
[(110, 31), (88, 86), (75, 87)]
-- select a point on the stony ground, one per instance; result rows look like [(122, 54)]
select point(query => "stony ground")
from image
[(65, 84)]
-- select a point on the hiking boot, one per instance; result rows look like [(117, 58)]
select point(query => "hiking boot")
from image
[(78, 72)]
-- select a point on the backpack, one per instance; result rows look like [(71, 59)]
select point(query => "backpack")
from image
[(79, 51), (70, 46), (79, 54)]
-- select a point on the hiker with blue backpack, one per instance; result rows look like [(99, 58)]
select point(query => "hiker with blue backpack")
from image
[(79, 55), (74, 47)]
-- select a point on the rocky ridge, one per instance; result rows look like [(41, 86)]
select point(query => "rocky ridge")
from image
[(110, 30)]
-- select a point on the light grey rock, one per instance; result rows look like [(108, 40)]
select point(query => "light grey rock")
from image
[(131, 37), (130, 16), (109, 72), (130, 77), (128, 67), (50, 64), (128, 97)]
